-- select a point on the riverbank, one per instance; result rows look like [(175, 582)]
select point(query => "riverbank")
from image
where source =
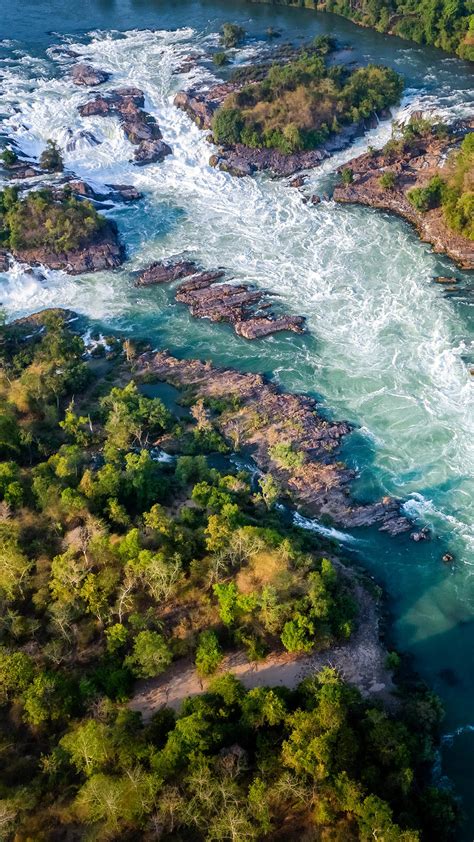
[(384, 179)]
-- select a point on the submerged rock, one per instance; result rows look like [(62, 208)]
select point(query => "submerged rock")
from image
[(85, 74)]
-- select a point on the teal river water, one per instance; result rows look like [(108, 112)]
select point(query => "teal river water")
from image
[(387, 348)]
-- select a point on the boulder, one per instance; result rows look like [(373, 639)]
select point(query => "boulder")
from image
[(151, 151), (85, 74)]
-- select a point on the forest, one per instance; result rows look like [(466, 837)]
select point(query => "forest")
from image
[(448, 24), (118, 558)]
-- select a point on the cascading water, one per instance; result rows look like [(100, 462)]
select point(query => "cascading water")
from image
[(387, 349)]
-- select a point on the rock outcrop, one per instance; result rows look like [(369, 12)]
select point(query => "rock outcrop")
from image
[(85, 74), (412, 167), (261, 417), (238, 305), (115, 193), (162, 272), (140, 128)]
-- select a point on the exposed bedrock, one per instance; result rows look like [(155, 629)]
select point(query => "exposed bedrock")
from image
[(103, 251), (239, 305), (85, 74), (316, 480), (140, 128), (162, 272)]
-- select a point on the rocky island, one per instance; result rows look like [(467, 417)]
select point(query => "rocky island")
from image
[(425, 174), (290, 115), (245, 308), (57, 230), (140, 128)]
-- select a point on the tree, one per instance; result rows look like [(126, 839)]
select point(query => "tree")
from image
[(8, 157), (388, 180), (51, 158), (208, 653), (227, 126), (298, 634), (150, 656), (232, 35), (46, 699), (88, 746), (15, 567), (269, 489)]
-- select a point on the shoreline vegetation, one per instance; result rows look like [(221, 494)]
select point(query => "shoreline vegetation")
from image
[(123, 552), (424, 174), (439, 24)]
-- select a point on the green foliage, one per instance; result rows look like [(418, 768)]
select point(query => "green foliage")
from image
[(232, 35), (227, 126), (111, 567), (208, 653), (220, 58), (388, 180), (41, 220), (297, 105), (347, 176), (285, 457), (150, 655), (8, 157), (426, 198), (51, 158), (441, 23)]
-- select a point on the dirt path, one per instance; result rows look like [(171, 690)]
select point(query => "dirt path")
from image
[(360, 661)]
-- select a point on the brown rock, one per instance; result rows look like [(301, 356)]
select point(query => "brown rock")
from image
[(103, 251), (321, 483), (161, 272), (85, 74), (415, 166)]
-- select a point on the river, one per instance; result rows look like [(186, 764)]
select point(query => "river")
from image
[(387, 348)]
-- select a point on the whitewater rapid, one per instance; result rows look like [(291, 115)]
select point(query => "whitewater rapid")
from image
[(387, 348)]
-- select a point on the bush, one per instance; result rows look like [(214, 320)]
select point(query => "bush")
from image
[(51, 159), (9, 157), (227, 126), (347, 176), (208, 653), (220, 58), (425, 198), (232, 35), (388, 180)]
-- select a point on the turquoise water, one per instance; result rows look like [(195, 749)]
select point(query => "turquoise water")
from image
[(387, 348)]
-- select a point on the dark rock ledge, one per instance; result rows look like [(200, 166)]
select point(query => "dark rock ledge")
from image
[(245, 308), (140, 128), (266, 416)]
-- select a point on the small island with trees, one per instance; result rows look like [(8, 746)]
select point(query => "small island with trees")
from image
[(293, 112)]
